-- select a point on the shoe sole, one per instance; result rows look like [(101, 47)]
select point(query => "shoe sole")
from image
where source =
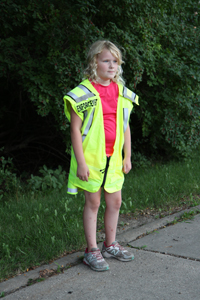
[(94, 269)]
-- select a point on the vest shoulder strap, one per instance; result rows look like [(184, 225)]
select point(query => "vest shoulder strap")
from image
[(128, 94), (81, 92)]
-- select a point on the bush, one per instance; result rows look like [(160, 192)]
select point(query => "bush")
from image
[(50, 180)]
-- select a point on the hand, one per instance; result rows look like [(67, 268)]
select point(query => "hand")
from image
[(83, 172), (127, 166)]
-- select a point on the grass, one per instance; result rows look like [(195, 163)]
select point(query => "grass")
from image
[(37, 228), (162, 185)]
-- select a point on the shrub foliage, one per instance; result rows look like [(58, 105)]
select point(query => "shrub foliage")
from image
[(42, 52)]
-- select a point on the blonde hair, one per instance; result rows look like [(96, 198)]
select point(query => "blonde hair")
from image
[(97, 48)]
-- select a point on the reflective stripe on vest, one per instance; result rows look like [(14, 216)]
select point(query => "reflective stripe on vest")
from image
[(78, 99), (89, 123), (72, 190), (85, 89), (131, 97), (85, 116), (125, 115)]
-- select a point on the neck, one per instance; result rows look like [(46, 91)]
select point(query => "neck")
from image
[(103, 82)]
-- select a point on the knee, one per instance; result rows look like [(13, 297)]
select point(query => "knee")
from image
[(115, 205), (92, 201), (93, 205)]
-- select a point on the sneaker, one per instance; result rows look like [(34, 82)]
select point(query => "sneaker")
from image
[(117, 251), (95, 260)]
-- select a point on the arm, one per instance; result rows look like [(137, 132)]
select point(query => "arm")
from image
[(127, 151), (75, 130)]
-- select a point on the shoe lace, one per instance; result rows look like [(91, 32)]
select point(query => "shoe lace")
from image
[(97, 254), (117, 245)]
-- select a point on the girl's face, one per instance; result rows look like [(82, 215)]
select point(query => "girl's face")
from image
[(107, 66)]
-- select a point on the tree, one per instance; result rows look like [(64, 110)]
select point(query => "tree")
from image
[(42, 52), (161, 41)]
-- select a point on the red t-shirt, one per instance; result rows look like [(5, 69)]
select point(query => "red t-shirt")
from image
[(109, 97)]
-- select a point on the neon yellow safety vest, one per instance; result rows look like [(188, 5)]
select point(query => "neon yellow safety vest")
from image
[(86, 102)]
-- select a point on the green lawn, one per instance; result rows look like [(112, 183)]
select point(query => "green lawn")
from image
[(36, 228)]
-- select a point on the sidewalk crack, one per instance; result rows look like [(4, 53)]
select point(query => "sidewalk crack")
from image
[(166, 253)]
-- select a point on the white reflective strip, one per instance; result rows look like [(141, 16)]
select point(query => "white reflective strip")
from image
[(125, 92), (72, 190), (87, 128), (72, 95), (79, 99), (86, 90), (133, 95), (87, 95), (125, 114), (85, 115)]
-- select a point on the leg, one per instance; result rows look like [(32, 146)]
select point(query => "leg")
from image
[(92, 202), (113, 204), (92, 256), (110, 247)]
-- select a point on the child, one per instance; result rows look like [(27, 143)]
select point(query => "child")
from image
[(99, 110)]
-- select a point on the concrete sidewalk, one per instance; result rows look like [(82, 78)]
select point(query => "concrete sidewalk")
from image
[(166, 267)]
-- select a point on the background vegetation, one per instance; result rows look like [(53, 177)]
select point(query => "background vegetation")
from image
[(42, 53)]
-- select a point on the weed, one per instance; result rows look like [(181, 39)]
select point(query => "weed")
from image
[(50, 179), (59, 268), (148, 232), (8, 179), (185, 216), (189, 215), (6, 250), (33, 281), (140, 248), (143, 247), (127, 206), (175, 221)]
